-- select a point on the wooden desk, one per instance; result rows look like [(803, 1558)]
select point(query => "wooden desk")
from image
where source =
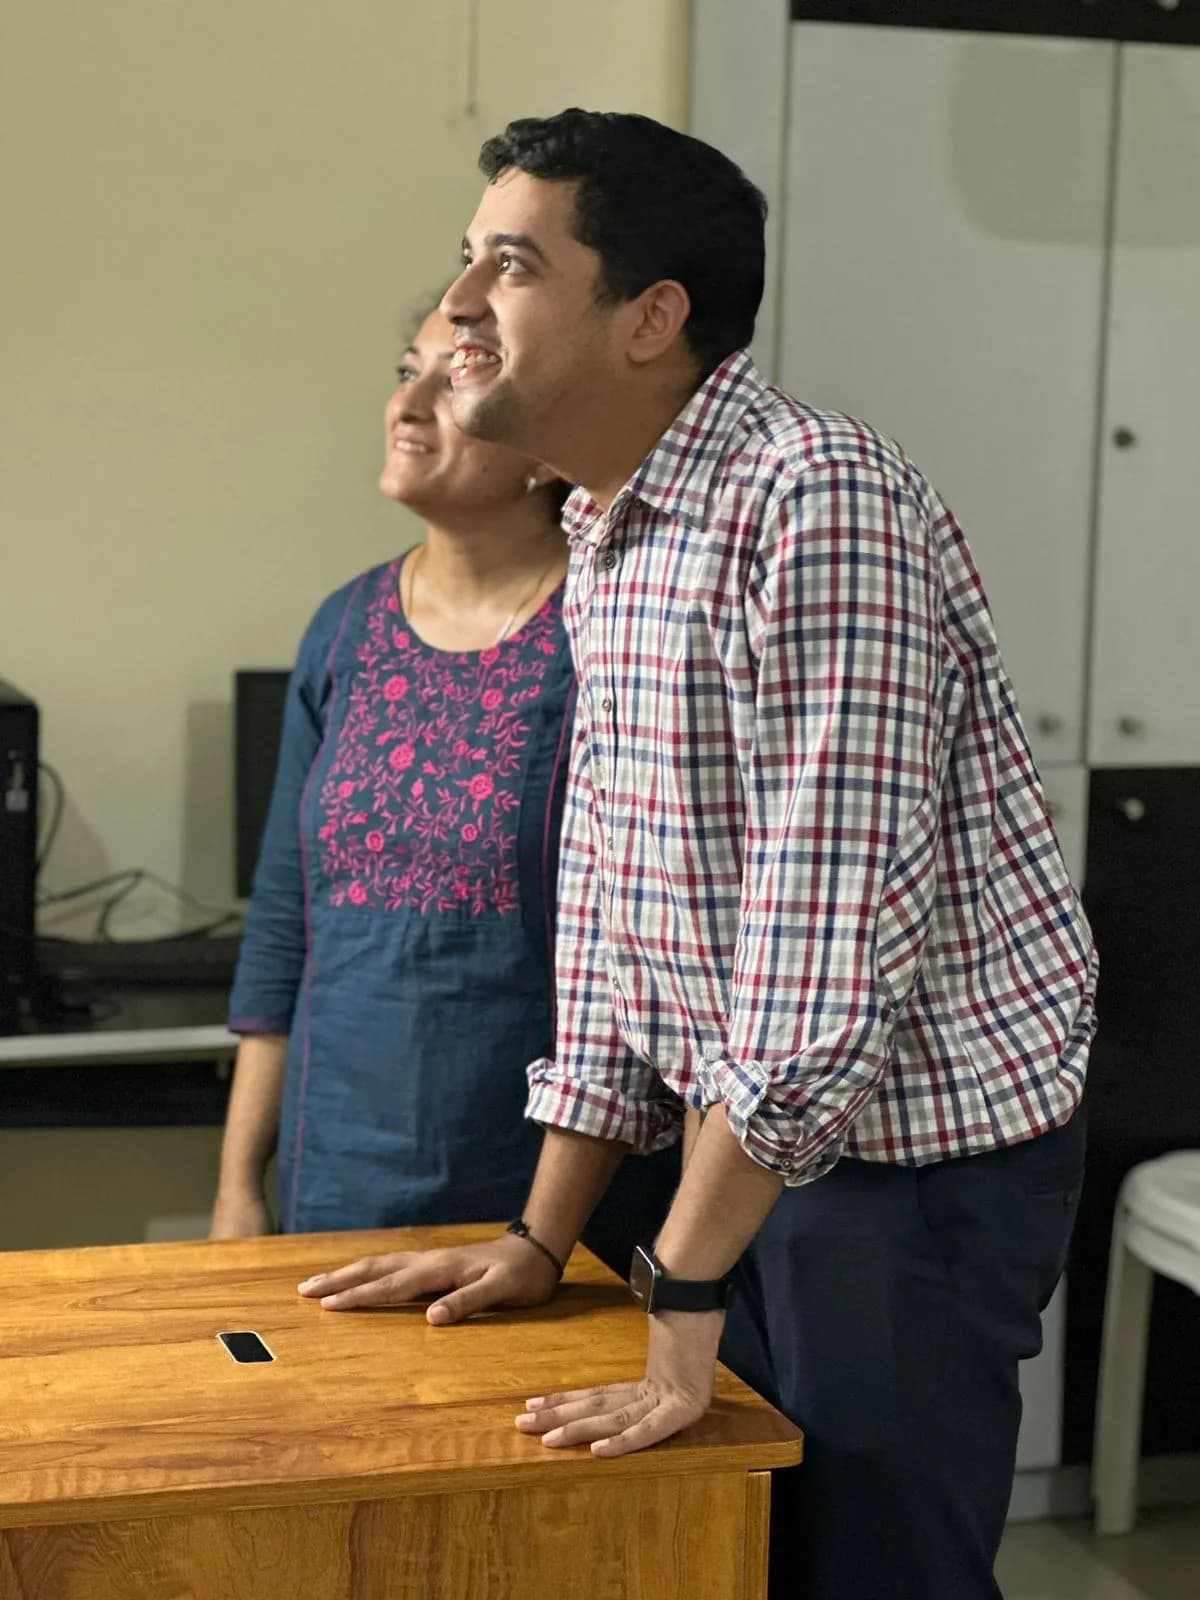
[(375, 1459)]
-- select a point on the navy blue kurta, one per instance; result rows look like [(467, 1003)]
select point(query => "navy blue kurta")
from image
[(400, 930)]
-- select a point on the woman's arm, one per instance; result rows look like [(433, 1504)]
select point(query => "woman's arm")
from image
[(251, 1132)]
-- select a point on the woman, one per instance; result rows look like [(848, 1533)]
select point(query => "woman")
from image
[(395, 976)]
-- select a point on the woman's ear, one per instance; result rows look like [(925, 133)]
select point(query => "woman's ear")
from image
[(540, 477)]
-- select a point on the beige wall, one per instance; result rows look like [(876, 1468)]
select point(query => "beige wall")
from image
[(215, 220)]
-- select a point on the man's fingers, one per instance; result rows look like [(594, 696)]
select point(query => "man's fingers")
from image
[(658, 1424), (558, 1410), (414, 1282), (348, 1277), (606, 1424), (479, 1294), (546, 1402)]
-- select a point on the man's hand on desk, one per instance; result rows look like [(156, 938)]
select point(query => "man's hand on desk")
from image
[(618, 1418), (721, 1204), (468, 1279)]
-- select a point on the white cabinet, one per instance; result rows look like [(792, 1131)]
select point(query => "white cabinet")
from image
[(943, 230), (1145, 707)]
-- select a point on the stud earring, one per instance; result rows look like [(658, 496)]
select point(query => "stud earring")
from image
[(531, 483)]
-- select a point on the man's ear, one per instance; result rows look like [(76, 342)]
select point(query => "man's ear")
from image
[(660, 316)]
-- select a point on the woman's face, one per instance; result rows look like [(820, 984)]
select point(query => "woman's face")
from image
[(429, 463)]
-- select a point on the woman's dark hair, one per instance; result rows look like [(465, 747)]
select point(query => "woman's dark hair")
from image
[(653, 204), (558, 490)]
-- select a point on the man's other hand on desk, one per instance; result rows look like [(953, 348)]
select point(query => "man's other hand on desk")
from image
[(617, 1418), (467, 1279)]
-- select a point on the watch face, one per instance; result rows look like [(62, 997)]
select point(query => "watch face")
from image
[(642, 1275)]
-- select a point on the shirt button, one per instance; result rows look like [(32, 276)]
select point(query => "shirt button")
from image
[(606, 704), (609, 561), (785, 1164)]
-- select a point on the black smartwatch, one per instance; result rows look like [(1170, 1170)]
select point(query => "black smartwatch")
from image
[(654, 1290)]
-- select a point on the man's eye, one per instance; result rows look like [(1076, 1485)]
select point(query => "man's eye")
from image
[(405, 374), (508, 263)]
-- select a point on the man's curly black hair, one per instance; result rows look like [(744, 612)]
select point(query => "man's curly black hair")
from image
[(653, 204)]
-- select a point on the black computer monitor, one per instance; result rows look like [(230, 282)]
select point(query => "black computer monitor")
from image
[(18, 850), (258, 701)]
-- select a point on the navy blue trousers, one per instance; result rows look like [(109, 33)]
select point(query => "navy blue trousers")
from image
[(885, 1309)]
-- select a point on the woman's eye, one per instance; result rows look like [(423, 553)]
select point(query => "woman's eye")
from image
[(405, 375)]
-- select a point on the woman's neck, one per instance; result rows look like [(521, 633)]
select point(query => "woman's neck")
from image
[(470, 587), (473, 562)]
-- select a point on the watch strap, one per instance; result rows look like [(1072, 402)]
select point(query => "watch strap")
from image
[(689, 1294)]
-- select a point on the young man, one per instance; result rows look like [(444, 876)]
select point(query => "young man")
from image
[(808, 884)]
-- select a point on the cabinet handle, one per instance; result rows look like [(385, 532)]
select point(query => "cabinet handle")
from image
[(1132, 809), (1131, 727), (1049, 724), (1124, 438)]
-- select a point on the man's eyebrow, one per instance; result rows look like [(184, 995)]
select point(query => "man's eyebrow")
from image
[(513, 241)]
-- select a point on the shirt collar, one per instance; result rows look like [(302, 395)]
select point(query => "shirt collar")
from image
[(676, 478)]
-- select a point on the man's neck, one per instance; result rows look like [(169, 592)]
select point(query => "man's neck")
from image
[(607, 449)]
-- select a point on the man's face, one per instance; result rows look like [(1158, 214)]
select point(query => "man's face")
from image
[(534, 348)]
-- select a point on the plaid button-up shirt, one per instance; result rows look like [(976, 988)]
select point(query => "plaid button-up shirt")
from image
[(807, 867)]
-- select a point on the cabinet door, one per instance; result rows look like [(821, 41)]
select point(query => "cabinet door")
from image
[(1146, 652), (944, 221)]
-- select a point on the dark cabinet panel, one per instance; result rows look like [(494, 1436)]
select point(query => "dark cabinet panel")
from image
[(1144, 21), (1143, 897)]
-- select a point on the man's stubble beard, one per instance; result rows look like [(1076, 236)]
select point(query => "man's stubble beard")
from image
[(490, 418)]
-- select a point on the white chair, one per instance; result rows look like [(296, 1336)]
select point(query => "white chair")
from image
[(1156, 1229)]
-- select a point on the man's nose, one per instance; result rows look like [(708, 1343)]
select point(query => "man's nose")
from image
[(463, 302)]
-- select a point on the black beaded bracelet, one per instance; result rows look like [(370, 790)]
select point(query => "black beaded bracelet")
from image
[(521, 1228)]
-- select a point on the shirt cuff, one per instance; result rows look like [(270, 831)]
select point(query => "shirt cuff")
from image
[(603, 1110), (771, 1131)]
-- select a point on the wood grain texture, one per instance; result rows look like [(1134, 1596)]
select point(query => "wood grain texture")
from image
[(758, 1535), (116, 1400), (628, 1539)]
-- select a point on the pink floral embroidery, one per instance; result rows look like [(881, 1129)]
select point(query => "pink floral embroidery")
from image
[(449, 838)]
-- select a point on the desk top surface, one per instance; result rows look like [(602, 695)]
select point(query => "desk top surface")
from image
[(116, 1398)]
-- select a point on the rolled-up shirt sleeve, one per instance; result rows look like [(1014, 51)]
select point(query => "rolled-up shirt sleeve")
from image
[(856, 702), (271, 959), (596, 1085)]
